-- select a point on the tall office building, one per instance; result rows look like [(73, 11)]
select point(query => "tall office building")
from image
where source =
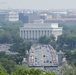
[(28, 17)]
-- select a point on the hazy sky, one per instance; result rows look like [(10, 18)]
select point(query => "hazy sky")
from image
[(38, 4)]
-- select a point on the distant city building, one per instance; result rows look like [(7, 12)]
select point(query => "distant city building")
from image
[(9, 16), (65, 21), (13, 16), (33, 31), (28, 17), (61, 12), (45, 16), (3, 16), (48, 17), (23, 18), (43, 56)]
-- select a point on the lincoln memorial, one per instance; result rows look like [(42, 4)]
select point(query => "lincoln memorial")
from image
[(33, 31)]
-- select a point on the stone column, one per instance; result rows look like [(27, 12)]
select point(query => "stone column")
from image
[(37, 34), (31, 34), (43, 32), (40, 33), (23, 34), (46, 32), (28, 34), (49, 33)]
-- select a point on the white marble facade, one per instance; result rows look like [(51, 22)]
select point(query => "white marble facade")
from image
[(34, 31)]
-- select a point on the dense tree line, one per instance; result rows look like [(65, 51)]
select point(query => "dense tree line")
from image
[(9, 65), (47, 40), (71, 57), (6, 23), (67, 41), (64, 41), (28, 71), (9, 34), (3, 71), (21, 48)]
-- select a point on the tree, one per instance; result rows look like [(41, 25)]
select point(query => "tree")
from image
[(38, 72), (16, 58), (5, 38), (9, 65), (22, 50), (28, 44), (2, 54), (50, 73), (21, 47), (71, 71), (48, 40), (44, 40), (71, 40), (53, 41), (31, 72), (3, 71), (10, 32), (66, 41), (61, 41), (71, 57), (6, 23)]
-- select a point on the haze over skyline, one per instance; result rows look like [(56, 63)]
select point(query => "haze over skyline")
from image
[(38, 4)]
